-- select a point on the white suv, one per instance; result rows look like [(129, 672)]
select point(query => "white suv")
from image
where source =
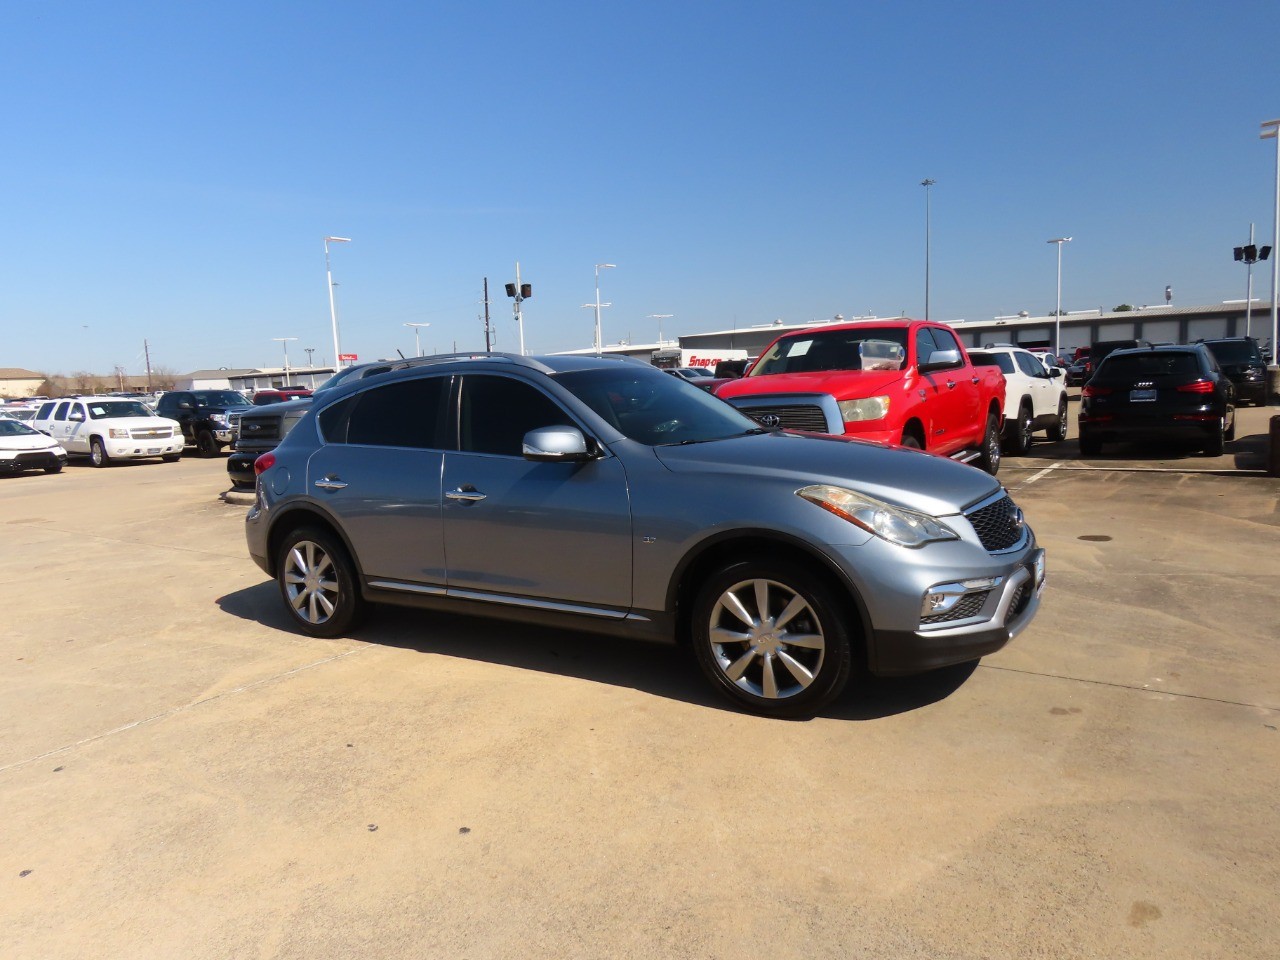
[(1035, 397), (109, 428)]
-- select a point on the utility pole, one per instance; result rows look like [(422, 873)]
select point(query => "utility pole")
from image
[(487, 346), (146, 351)]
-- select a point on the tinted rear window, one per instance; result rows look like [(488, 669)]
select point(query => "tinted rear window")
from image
[(1235, 351), (1001, 360), (1141, 366)]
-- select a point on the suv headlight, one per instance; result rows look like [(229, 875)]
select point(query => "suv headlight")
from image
[(118, 433), (218, 418), (872, 408), (907, 528)]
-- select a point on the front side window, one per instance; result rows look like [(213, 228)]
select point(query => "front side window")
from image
[(219, 398), (1029, 365), (496, 413)]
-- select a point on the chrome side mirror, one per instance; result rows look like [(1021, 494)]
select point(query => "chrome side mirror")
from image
[(555, 444)]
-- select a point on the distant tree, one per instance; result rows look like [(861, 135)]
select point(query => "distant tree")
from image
[(163, 378), (1121, 308)]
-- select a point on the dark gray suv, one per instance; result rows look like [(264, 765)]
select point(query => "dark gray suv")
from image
[(601, 494)]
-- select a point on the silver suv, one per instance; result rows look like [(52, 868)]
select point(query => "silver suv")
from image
[(604, 495)]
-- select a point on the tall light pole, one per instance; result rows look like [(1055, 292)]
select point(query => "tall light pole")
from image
[(1271, 131), (285, 342), (519, 292), (417, 344), (1057, 313), (928, 227), (333, 310), (309, 351), (598, 304), (660, 317)]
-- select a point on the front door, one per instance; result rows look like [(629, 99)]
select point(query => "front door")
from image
[(557, 533)]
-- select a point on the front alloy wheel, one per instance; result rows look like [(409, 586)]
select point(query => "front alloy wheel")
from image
[(768, 635)]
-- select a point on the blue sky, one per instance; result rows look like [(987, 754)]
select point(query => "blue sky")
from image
[(169, 171)]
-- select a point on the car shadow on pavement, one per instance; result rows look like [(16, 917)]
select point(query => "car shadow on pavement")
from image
[(652, 668)]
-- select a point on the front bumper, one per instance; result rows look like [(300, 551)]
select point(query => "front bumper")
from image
[(128, 449), (33, 460), (1004, 613)]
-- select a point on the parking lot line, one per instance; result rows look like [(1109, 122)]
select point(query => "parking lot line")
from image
[(1145, 688)]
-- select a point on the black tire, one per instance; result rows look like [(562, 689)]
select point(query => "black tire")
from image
[(318, 583), (1058, 432), (1231, 430), (1019, 432), (98, 455), (1215, 445), (989, 460), (206, 445), (171, 457), (765, 668), (55, 467), (912, 441), (1089, 446)]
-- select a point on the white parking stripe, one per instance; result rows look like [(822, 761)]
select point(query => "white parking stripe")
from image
[(1042, 473)]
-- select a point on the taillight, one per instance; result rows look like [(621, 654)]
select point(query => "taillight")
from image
[(1089, 391), (1198, 386), (264, 463)]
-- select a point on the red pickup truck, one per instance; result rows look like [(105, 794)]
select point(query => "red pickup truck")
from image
[(907, 382)]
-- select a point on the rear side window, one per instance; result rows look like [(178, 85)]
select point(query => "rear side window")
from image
[(1140, 366), (61, 413), (404, 414), (497, 412), (1001, 360)]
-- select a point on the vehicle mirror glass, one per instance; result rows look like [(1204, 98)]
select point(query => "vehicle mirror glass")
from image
[(76, 415), (1055, 372), (184, 405), (555, 444)]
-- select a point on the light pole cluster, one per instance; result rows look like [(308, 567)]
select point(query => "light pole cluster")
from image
[(599, 344), (1271, 131), (928, 230), (519, 293), (1057, 313), (417, 343), (284, 341), (333, 310)]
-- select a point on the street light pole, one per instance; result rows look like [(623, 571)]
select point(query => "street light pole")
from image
[(928, 230), (333, 310), (598, 304), (1057, 314), (417, 344), (284, 341), (1271, 131), (660, 317)]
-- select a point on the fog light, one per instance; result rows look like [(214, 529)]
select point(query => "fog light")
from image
[(943, 597)]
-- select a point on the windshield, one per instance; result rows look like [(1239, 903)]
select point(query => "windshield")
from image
[(652, 408), (110, 409), (863, 348), (14, 428), (220, 398), (1235, 351)]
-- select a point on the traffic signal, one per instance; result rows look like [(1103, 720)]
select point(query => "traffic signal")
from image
[(511, 287), (1264, 252), (526, 291), (1238, 252)]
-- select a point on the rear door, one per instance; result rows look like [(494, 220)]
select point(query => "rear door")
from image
[(1043, 389), (547, 533), (379, 471)]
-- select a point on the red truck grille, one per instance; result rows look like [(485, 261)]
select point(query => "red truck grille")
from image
[(807, 417)]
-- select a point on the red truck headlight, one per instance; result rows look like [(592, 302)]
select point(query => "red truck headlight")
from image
[(872, 408)]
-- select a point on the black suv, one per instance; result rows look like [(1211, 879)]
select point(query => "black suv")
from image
[(1242, 362), (1158, 393), (204, 415)]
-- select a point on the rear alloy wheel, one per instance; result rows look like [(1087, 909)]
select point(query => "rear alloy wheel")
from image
[(318, 583), (1230, 433), (771, 637), (1058, 431), (206, 445), (98, 455), (990, 457), (1020, 434)]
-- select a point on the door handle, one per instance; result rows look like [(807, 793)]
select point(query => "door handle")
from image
[(331, 483), (974, 381), (951, 384), (468, 495)]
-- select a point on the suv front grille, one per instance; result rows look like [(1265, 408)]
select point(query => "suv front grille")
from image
[(151, 433), (259, 428), (808, 417), (998, 525)]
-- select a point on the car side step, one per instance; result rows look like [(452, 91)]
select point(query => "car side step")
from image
[(966, 456)]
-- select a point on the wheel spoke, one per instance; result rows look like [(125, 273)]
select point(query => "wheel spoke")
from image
[(770, 681), (796, 668), (299, 598), (295, 557), (722, 636), (325, 603), (294, 578), (736, 669), (795, 606), (810, 641), (762, 600), (733, 603)]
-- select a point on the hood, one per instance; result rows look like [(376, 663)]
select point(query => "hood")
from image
[(225, 408), (841, 384), (30, 441), (909, 478)]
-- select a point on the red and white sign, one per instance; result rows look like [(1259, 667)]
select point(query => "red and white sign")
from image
[(347, 358)]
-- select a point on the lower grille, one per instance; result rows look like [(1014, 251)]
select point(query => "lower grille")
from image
[(1018, 603), (808, 417), (970, 605)]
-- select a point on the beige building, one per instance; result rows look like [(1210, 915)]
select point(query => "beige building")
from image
[(16, 382)]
